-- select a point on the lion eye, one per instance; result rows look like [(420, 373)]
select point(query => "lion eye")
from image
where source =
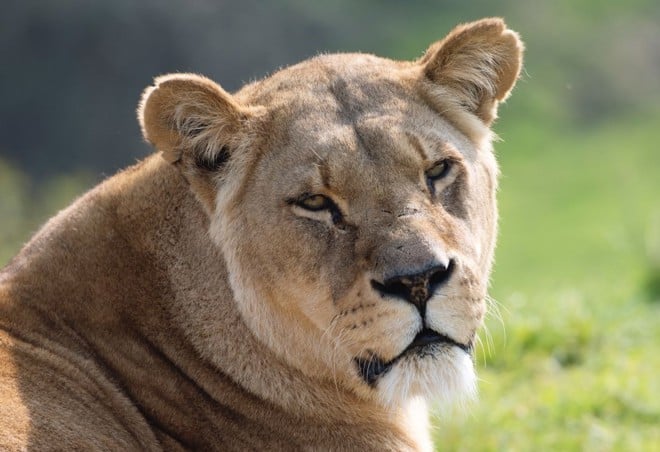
[(439, 170), (315, 203)]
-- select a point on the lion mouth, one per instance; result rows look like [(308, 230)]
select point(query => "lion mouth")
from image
[(428, 337), (424, 344)]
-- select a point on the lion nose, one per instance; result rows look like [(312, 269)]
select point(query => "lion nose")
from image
[(416, 288)]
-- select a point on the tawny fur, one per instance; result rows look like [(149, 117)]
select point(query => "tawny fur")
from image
[(189, 302)]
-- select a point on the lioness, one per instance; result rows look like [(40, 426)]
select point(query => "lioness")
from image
[(299, 266)]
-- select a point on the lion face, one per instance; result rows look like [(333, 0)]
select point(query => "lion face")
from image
[(353, 199)]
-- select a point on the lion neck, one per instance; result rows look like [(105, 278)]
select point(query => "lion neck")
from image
[(129, 271)]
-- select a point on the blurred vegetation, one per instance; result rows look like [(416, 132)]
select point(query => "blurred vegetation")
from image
[(570, 359)]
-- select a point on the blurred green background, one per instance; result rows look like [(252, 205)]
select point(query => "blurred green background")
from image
[(570, 357)]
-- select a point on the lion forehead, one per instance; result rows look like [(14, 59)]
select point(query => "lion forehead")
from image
[(344, 85)]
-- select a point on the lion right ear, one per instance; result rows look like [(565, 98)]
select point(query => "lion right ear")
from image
[(188, 113), (477, 64)]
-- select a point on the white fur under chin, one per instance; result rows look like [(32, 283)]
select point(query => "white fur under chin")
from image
[(417, 416), (447, 378)]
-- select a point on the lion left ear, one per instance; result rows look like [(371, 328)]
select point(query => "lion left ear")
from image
[(478, 63), (197, 126), (189, 117)]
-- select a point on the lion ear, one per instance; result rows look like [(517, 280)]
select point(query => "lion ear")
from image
[(478, 63), (188, 113)]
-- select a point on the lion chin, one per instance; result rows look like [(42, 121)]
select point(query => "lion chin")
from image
[(432, 367), (301, 265), (442, 374)]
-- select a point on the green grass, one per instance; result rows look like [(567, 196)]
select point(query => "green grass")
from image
[(573, 362)]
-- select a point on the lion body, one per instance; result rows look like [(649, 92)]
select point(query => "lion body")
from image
[(202, 301), (103, 363)]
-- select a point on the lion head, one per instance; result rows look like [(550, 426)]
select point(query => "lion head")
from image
[(353, 200)]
